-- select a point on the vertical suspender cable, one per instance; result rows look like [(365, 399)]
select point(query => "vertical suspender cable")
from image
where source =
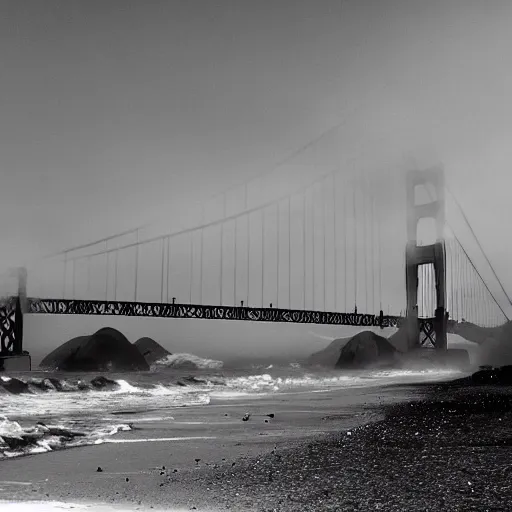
[(191, 267), (379, 257), (278, 254), (221, 265), (106, 269), (324, 241), (290, 252), (136, 266), (355, 244), (246, 204), (201, 257), (372, 238), (168, 266), (345, 215), (234, 261), (365, 241), (115, 275), (89, 277), (162, 272), (248, 255), (221, 276), (304, 248), (335, 239), (313, 247), (73, 287), (463, 289), (64, 287), (263, 258)]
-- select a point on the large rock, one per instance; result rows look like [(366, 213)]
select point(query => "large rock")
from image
[(367, 349), (329, 356), (151, 350), (14, 386), (105, 350)]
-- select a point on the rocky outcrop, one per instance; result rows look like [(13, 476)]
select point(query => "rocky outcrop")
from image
[(105, 350), (367, 349), (14, 386), (501, 376), (104, 384), (151, 350), (329, 355)]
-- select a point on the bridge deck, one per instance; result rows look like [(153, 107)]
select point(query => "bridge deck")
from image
[(209, 312)]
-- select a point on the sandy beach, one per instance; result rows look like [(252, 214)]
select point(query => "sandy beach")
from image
[(428, 447), (216, 434)]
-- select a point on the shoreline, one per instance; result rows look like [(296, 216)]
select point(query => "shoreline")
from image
[(70, 475), (432, 446)]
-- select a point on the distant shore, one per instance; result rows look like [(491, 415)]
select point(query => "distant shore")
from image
[(429, 447)]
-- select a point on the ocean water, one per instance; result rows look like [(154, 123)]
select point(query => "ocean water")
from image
[(57, 411)]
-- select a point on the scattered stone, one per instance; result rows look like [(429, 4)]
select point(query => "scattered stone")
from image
[(246, 417), (99, 470)]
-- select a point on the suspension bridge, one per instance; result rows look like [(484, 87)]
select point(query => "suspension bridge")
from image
[(338, 250)]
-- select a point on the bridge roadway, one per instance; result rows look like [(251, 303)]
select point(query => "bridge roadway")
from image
[(208, 312)]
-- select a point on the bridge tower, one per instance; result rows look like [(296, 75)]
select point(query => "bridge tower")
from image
[(12, 308), (417, 255)]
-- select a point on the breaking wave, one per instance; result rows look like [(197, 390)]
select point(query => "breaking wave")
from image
[(41, 438), (187, 361), (46, 413)]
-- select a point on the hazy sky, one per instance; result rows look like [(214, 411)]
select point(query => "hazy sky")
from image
[(114, 112)]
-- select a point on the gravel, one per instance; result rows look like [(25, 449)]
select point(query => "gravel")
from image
[(450, 450)]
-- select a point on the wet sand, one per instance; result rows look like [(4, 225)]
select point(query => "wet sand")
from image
[(430, 447), (216, 434)]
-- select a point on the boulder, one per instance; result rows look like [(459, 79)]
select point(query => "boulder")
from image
[(104, 383), (105, 350), (14, 386), (366, 349), (328, 356), (151, 350)]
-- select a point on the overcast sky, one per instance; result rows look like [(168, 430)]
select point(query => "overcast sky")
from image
[(116, 112)]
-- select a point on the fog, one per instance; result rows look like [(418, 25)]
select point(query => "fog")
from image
[(121, 113)]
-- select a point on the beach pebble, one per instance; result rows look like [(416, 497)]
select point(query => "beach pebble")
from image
[(246, 417), (99, 470)]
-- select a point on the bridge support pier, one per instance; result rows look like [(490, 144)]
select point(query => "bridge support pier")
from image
[(12, 308)]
